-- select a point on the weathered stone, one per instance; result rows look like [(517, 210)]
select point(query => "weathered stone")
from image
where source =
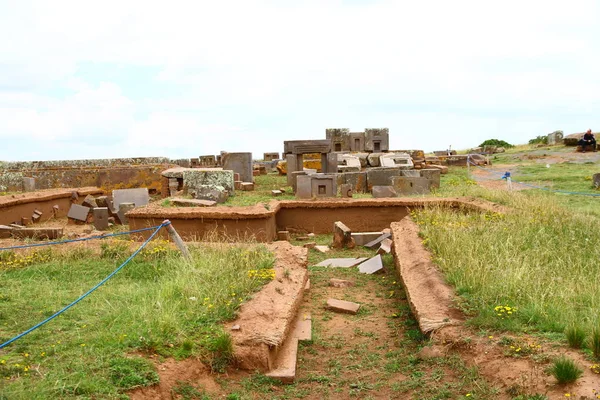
[(380, 192), (123, 209), (410, 186), (373, 243), (193, 179), (38, 233), (139, 197), (381, 176), (28, 184), (340, 283), (357, 141), (276, 193), (5, 231), (385, 247), (339, 137), (322, 249), (309, 245), (396, 160), (102, 201), (341, 262), (342, 236), (358, 180), (193, 203), (555, 137), (283, 235), (100, 218), (373, 159), (247, 186), (89, 201), (240, 163), (36, 216), (361, 238), (596, 180), (174, 173), (372, 265), (433, 175), (25, 221), (412, 173), (443, 169), (377, 139), (79, 213), (238, 185), (346, 190), (303, 187), (323, 185), (343, 306), (270, 156)]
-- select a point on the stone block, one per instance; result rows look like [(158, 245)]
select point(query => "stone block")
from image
[(194, 178), (433, 175), (373, 159), (303, 187), (380, 192), (309, 245), (236, 177), (412, 173), (346, 190), (36, 216), (323, 185), (294, 179), (322, 249), (342, 236), (596, 180), (362, 238), (38, 233), (123, 209), (385, 247), (5, 231), (256, 172), (357, 141), (139, 197), (247, 186), (396, 160), (89, 201), (332, 163), (443, 169), (270, 156), (78, 213), (102, 201), (100, 218), (343, 306), (341, 262), (410, 186), (276, 193), (358, 180), (372, 265), (28, 184), (292, 165), (340, 283), (238, 185), (283, 235), (25, 221), (339, 137), (210, 192), (377, 139), (307, 146), (174, 173), (381, 177)]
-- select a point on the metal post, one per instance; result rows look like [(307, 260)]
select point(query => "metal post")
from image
[(177, 240)]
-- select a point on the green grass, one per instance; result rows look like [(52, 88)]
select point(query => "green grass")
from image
[(262, 191), (565, 370), (157, 305), (541, 258), (575, 336)]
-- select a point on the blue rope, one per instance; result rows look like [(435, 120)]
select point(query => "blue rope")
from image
[(25, 246), (89, 291), (507, 174)]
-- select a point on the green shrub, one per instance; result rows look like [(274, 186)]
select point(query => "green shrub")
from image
[(539, 140), (595, 342), (129, 373), (575, 336), (496, 142), (565, 370)]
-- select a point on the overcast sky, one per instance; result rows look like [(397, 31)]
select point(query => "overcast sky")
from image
[(82, 79)]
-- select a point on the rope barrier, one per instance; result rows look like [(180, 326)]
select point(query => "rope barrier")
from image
[(166, 223), (508, 176), (25, 246)]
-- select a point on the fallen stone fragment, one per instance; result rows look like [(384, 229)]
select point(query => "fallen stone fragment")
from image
[(385, 247), (139, 197), (78, 213), (303, 327), (283, 235), (89, 201), (361, 238), (380, 239), (193, 203), (282, 190), (380, 192), (342, 236), (309, 245), (307, 286), (343, 306), (276, 193), (237, 185), (322, 249), (100, 218), (285, 370), (310, 235), (387, 230), (247, 186), (341, 262), (236, 328), (340, 283), (25, 221), (102, 201), (372, 265)]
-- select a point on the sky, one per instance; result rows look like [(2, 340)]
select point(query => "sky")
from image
[(181, 79)]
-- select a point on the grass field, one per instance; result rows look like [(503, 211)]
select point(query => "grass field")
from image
[(157, 306), (540, 259)]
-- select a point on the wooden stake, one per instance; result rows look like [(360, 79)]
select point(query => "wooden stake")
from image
[(177, 240)]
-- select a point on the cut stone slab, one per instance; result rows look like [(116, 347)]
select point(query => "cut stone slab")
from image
[(247, 186), (322, 249), (102, 201), (123, 209), (342, 236), (276, 193), (100, 218), (193, 202), (340, 283), (303, 327), (362, 238), (309, 245), (381, 192), (79, 213), (89, 201), (283, 235), (373, 243), (385, 247), (139, 197), (343, 306), (238, 185), (209, 192), (285, 367), (341, 262), (26, 221), (38, 233), (372, 265), (28, 184)]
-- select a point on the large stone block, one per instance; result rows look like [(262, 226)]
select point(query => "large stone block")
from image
[(211, 192), (303, 187), (373, 159), (363, 159), (377, 139), (79, 213), (100, 218), (240, 163), (342, 236), (410, 186), (357, 141), (396, 160), (28, 184), (380, 192), (381, 176), (294, 181), (194, 179), (307, 146), (270, 156), (412, 173), (433, 175), (324, 185), (139, 197), (358, 180), (339, 137)]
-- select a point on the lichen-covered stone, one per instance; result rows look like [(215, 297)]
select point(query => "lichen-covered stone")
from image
[(209, 192), (195, 179)]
